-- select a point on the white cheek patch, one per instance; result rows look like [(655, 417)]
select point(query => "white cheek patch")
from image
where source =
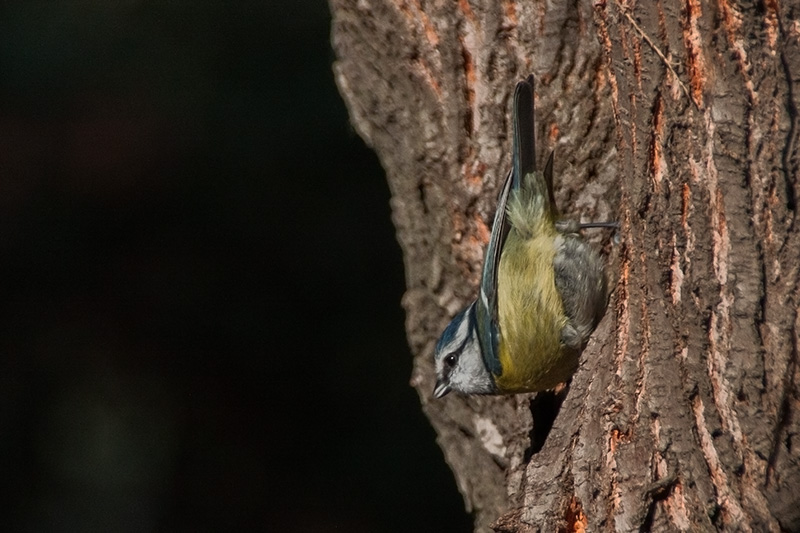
[(470, 374), (472, 361)]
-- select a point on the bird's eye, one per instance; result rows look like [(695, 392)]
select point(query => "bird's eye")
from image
[(450, 360)]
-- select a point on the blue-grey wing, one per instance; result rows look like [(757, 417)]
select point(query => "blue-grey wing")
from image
[(581, 281), (487, 299)]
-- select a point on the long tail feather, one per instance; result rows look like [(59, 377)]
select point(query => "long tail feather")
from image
[(524, 148)]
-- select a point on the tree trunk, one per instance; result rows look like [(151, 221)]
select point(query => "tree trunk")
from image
[(680, 120)]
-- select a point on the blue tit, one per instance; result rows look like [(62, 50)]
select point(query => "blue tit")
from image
[(543, 288)]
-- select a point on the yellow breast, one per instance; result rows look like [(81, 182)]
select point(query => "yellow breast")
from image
[(531, 317)]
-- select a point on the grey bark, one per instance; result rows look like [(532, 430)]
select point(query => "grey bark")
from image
[(680, 120)]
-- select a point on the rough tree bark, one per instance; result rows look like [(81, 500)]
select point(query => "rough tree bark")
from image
[(680, 120)]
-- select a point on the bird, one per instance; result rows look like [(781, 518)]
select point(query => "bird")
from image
[(543, 288)]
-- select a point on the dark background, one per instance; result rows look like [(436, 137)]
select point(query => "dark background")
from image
[(201, 326)]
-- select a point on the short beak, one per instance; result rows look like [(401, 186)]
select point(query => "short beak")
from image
[(441, 389)]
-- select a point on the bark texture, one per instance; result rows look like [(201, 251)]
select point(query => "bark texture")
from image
[(680, 120)]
